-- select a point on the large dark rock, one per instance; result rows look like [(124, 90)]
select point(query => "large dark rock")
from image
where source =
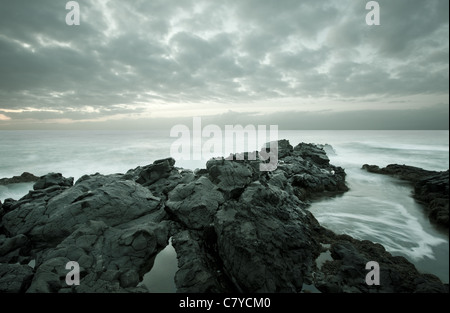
[(433, 191), (430, 188), (14, 249), (195, 204), (255, 231), (310, 173), (231, 178), (8, 205), (312, 153), (47, 221), (346, 270), (200, 269), (111, 259), (284, 148), (159, 169), (15, 278), (52, 179)]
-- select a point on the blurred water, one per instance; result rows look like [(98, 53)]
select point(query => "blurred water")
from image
[(380, 208), (377, 208), (75, 153)]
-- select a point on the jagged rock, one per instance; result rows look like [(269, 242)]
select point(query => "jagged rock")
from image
[(195, 204), (310, 174), (15, 278), (230, 177), (108, 257), (24, 178), (47, 222), (159, 169), (346, 271), (254, 232), (284, 148), (198, 272), (311, 152), (163, 186), (8, 205), (160, 177), (12, 249), (433, 191), (235, 229), (52, 179)]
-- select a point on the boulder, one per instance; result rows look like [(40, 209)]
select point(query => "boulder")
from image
[(151, 173), (346, 271), (195, 204), (254, 232), (230, 177), (110, 259), (49, 222), (52, 179), (312, 153)]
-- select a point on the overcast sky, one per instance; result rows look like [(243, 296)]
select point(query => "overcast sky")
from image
[(302, 64)]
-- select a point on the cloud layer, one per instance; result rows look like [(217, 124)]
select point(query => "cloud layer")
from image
[(138, 59)]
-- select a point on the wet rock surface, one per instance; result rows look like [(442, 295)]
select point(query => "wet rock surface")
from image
[(234, 228)]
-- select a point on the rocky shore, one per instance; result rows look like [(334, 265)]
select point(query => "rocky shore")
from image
[(234, 228), (430, 188)]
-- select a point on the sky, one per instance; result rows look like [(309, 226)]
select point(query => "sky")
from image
[(300, 64)]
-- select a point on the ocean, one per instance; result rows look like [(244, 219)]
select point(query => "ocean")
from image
[(377, 207)]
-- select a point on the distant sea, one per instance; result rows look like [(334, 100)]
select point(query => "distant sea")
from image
[(377, 208)]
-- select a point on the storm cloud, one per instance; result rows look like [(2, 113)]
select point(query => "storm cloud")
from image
[(135, 60)]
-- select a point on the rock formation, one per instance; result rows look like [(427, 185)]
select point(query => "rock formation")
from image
[(234, 228)]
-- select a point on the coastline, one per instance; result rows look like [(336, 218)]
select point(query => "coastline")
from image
[(174, 199)]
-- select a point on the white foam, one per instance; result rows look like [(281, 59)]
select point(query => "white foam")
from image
[(15, 191)]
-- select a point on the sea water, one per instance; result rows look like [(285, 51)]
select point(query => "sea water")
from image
[(377, 207)]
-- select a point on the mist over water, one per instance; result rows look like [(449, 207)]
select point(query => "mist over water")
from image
[(378, 208), (76, 153)]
